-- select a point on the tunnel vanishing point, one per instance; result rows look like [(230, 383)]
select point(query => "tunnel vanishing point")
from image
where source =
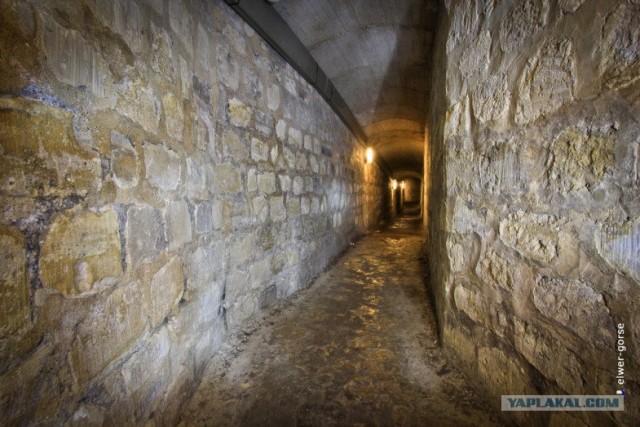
[(171, 170)]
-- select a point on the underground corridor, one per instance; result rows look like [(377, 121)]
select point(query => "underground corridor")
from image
[(319, 213)]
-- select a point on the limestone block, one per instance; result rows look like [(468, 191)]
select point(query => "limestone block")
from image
[(129, 23), (40, 154), (295, 137), (289, 157), (619, 245), (575, 305), (242, 302), (148, 371), (460, 342), (112, 327), (173, 115), (308, 142), (162, 166), (466, 220), (235, 38), (204, 218), (198, 171), (466, 19), (277, 210), (620, 63), (14, 287), (164, 291), (227, 67), (298, 185), (259, 150), (281, 128), (72, 59), (549, 356), (533, 235), (178, 223), (267, 183), (261, 273), (305, 205), (285, 183), (499, 170), (525, 20), (301, 161), (458, 120), (79, 250), (293, 206), (234, 147), (239, 113), (274, 154), (202, 266), (579, 158), (181, 23), (313, 163), (273, 97), (227, 178), (162, 59), (490, 99), (456, 257), (124, 161), (495, 270), (501, 373), (242, 250), (142, 105), (203, 51), (264, 123), (547, 82), (253, 89), (290, 86), (145, 235), (88, 416), (27, 379), (217, 215), (260, 207), (475, 58), (472, 303), (252, 180)]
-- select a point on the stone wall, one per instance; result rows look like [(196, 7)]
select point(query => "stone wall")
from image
[(535, 197), (165, 178)]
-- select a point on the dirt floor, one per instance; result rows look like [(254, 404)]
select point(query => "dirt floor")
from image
[(358, 347)]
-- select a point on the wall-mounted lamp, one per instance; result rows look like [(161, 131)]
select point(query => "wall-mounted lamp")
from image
[(369, 155), (394, 184), (402, 184)]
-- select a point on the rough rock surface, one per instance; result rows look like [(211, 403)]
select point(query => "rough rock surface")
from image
[(534, 197)]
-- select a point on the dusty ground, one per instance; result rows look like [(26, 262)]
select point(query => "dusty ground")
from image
[(358, 347)]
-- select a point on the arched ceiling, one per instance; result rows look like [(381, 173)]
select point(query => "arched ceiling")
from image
[(377, 54)]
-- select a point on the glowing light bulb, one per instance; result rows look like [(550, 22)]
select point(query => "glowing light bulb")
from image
[(402, 184), (369, 155), (394, 184)]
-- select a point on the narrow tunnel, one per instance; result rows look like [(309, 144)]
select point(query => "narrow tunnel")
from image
[(319, 212)]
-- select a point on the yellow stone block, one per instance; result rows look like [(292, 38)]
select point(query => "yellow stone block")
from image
[(80, 250), (14, 288)]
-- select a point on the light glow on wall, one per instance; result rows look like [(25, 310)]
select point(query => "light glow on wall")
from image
[(369, 155), (394, 184), (402, 184)]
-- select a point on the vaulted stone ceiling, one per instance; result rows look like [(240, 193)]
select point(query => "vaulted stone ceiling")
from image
[(377, 53)]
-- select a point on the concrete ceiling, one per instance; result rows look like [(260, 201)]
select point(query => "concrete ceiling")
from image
[(377, 53)]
